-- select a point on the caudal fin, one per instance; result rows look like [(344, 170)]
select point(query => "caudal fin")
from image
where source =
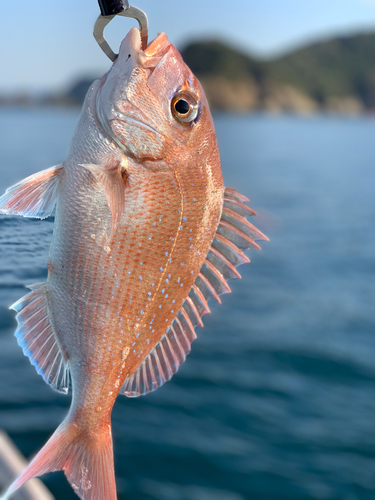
[(86, 459)]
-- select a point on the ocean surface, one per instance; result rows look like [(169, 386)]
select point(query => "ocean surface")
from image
[(277, 399)]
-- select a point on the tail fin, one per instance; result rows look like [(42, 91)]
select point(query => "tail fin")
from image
[(87, 461)]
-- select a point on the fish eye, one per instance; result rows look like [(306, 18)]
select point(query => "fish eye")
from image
[(184, 107)]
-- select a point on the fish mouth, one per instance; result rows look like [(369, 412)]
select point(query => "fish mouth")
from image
[(131, 56), (154, 52), (157, 46)]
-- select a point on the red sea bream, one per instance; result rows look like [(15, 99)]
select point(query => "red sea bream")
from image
[(145, 233)]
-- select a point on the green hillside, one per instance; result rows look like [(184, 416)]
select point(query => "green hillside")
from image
[(339, 67), (336, 75)]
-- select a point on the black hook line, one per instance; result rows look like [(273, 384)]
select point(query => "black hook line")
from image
[(112, 7)]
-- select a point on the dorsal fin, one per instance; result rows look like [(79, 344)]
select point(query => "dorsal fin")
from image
[(233, 233)]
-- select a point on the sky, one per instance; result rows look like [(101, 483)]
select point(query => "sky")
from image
[(47, 45)]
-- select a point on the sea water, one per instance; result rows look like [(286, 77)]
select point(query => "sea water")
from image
[(277, 399)]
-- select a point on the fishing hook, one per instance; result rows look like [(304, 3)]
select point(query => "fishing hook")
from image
[(109, 10)]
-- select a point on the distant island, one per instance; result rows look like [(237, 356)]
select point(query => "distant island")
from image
[(336, 76)]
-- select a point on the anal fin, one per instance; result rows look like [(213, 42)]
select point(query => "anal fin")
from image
[(35, 196), (38, 340)]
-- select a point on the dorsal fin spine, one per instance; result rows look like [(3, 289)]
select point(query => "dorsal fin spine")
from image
[(224, 259), (210, 287), (237, 196), (202, 298), (249, 242), (182, 333), (138, 378), (180, 347), (160, 371), (173, 352), (228, 215), (195, 311), (231, 246), (187, 319), (167, 362), (219, 276), (145, 378)]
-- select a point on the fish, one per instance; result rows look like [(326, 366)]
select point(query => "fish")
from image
[(145, 234)]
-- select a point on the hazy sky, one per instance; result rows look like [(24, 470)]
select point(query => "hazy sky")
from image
[(48, 43)]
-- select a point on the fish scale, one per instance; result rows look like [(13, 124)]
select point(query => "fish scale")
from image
[(145, 235)]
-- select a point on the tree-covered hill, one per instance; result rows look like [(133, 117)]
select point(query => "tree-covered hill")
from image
[(335, 75)]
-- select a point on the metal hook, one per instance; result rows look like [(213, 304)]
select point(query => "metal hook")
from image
[(102, 22)]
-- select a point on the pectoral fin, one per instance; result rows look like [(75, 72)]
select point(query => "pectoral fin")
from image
[(112, 181), (35, 196)]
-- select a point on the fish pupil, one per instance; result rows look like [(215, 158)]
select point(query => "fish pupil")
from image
[(182, 107)]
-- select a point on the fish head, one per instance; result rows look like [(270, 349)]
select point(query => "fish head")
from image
[(152, 105)]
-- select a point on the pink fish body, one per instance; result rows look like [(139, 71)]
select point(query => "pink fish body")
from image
[(145, 233)]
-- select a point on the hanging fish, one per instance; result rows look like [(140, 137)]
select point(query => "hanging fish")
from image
[(145, 233)]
